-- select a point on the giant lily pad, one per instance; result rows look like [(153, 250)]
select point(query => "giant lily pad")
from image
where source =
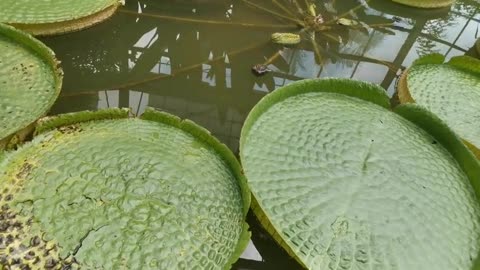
[(115, 193), (30, 81), (342, 182), (56, 16), (451, 91), (426, 3)]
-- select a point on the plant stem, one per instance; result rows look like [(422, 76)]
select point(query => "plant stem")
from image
[(272, 58), (331, 37), (346, 13), (299, 8), (391, 66), (182, 19), (316, 49), (297, 21), (282, 7), (380, 24)]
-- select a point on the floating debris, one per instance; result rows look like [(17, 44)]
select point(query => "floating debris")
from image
[(260, 69)]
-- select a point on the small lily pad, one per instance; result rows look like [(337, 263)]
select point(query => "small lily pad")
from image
[(286, 38), (30, 81), (98, 190), (346, 22), (449, 90), (56, 16), (343, 182)]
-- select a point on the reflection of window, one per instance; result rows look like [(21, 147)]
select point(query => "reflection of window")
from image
[(261, 88), (207, 75), (251, 253), (147, 39), (164, 66), (228, 77), (137, 101), (131, 62), (108, 99)]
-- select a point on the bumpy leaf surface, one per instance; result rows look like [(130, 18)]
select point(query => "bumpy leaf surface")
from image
[(29, 80), (55, 16), (344, 183), (122, 194), (452, 92)]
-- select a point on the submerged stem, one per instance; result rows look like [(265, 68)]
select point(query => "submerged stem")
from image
[(282, 7), (316, 49), (347, 12), (391, 66), (373, 25), (299, 8), (183, 19), (295, 20), (336, 39), (272, 58)]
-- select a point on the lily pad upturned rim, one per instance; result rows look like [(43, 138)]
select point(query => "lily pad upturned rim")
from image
[(75, 24), (376, 95), (49, 123), (464, 63), (477, 46), (426, 3), (47, 55)]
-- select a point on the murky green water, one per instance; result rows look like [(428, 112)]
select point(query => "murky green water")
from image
[(199, 67)]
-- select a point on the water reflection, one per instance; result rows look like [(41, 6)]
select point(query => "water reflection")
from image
[(199, 67)]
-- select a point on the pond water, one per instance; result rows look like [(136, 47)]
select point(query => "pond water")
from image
[(194, 58)]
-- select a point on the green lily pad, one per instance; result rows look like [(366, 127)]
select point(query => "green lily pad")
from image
[(342, 182), (56, 16), (426, 3), (286, 38), (102, 191), (450, 90), (347, 22), (30, 81)]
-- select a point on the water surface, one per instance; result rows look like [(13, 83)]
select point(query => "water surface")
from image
[(193, 58)]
